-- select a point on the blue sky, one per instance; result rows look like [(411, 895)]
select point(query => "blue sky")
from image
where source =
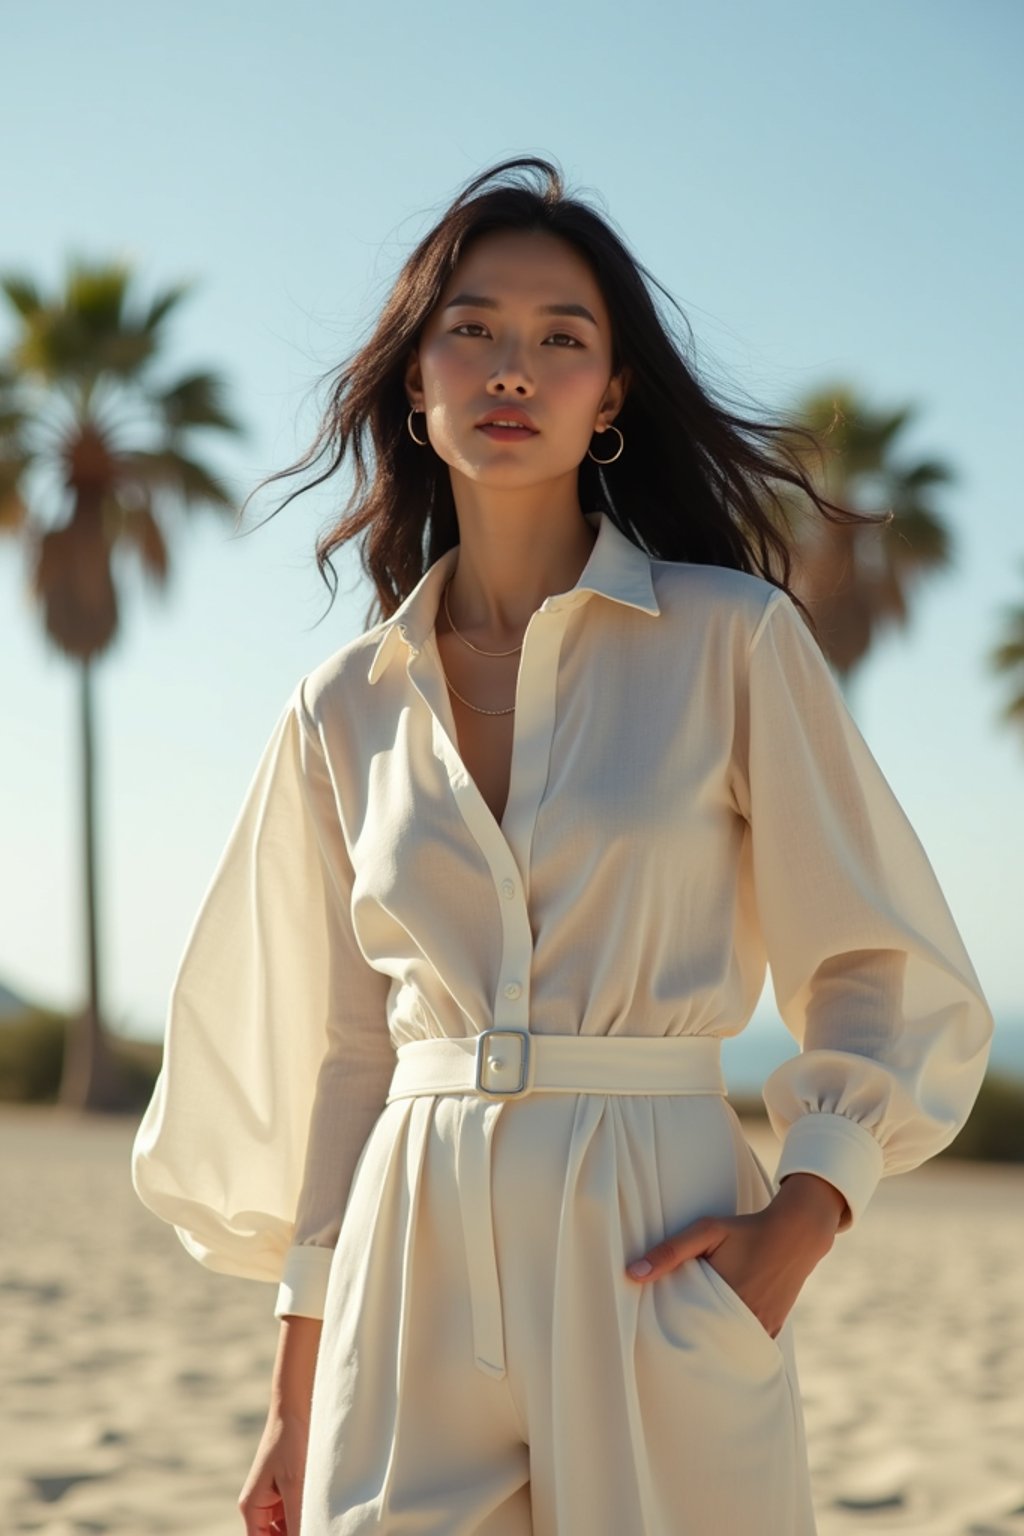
[(831, 193)]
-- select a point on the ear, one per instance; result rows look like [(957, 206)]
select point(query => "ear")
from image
[(414, 380), (614, 396)]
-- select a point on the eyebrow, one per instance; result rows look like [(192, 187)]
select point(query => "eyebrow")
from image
[(579, 311)]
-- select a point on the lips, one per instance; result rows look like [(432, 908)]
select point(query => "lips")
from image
[(509, 417), (500, 434)]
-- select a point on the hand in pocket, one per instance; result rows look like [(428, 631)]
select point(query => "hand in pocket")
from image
[(764, 1258)]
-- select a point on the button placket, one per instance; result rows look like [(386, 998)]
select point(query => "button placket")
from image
[(512, 1000), (531, 755), (531, 750)]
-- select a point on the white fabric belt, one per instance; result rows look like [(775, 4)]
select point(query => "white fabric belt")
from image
[(502, 1064)]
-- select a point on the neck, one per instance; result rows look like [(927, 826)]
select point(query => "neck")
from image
[(510, 560)]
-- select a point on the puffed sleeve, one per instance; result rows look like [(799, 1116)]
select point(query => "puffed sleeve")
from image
[(870, 974), (277, 1056)]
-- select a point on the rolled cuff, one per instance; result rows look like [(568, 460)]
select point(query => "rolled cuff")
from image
[(838, 1149), (303, 1288)]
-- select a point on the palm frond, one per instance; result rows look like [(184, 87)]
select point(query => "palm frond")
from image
[(22, 294), (96, 294), (196, 401), (1009, 655), (163, 304), (135, 527), (169, 470), (917, 540)]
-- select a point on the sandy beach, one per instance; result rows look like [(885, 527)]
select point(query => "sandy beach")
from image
[(134, 1383)]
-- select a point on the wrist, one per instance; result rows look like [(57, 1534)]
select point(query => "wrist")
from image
[(810, 1201), (291, 1386), (284, 1411)]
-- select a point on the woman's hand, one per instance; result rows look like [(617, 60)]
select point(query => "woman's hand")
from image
[(766, 1256), (271, 1500)]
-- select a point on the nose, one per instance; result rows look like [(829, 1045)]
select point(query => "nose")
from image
[(510, 374)]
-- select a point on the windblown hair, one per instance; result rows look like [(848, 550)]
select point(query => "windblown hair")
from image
[(695, 481)]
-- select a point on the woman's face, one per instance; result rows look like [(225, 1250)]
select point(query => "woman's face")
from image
[(493, 341)]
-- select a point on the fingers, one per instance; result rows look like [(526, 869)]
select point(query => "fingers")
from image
[(271, 1498), (697, 1238), (292, 1492), (278, 1517), (272, 1505), (263, 1519)]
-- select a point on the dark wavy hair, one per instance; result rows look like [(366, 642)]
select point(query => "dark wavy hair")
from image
[(695, 479)]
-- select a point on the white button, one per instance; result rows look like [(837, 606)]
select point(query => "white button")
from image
[(508, 888), (513, 989)]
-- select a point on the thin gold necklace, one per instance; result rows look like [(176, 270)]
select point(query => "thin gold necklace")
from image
[(479, 652)]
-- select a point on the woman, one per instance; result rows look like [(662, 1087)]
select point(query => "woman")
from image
[(443, 1050)]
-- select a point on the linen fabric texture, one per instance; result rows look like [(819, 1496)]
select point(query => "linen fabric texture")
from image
[(690, 801)]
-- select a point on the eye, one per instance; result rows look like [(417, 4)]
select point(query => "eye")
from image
[(476, 326)]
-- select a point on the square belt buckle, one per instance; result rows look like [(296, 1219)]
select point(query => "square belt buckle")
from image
[(483, 1048)]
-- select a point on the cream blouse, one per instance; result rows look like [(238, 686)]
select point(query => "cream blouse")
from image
[(689, 799)]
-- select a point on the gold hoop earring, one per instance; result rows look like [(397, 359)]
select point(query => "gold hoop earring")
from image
[(412, 434), (611, 427)]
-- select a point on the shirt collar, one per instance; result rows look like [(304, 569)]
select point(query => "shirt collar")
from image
[(616, 568)]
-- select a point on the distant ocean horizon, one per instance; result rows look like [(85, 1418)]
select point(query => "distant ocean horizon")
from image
[(748, 1058)]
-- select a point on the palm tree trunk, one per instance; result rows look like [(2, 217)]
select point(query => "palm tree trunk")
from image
[(89, 1079)]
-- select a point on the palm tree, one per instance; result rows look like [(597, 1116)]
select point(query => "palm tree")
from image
[(857, 579), (1008, 657), (93, 453)]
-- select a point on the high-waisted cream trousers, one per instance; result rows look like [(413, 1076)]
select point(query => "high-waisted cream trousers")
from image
[(486, 1366)]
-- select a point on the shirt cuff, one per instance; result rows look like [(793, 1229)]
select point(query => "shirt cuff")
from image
[(303, 1288), (838, 1149)]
